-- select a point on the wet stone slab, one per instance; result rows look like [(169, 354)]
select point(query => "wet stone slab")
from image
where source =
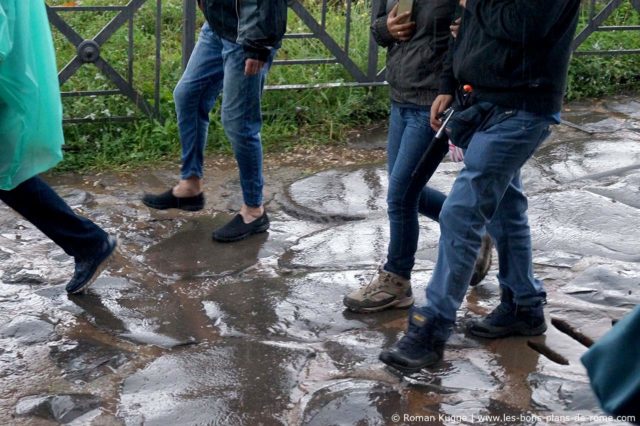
[(351, 194), (603, 286), (579, 221), (357, 245), (86, 360), (237, 382), (27, 330), (59, 408)]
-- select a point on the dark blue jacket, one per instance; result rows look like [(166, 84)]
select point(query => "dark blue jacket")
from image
[(515, 53), (257, 25)]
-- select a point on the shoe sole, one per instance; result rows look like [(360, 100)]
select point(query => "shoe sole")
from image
[(260, 230), (396, 304), (98, 271), (522, 332), (185, 208)]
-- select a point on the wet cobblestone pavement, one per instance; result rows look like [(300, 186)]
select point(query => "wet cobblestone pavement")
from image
[(182, 330)]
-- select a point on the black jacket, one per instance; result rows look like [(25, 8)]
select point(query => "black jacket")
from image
[(414, 66), (515, 53), (257, 25)]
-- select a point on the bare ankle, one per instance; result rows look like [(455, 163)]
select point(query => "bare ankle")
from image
[(249, 214)]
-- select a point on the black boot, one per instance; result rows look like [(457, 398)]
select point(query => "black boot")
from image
[(510, 319), (422, 345)]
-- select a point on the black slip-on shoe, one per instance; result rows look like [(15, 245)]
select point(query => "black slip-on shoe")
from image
[(87, 270), (236, 229), (167, 200)]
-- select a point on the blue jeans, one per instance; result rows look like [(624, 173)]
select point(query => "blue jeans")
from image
[(488, 196), (218, 65), (409, 137), (40, 205)]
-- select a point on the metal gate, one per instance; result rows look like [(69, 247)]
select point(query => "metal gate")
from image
[(88, 52), (313, 14), (597, 17)]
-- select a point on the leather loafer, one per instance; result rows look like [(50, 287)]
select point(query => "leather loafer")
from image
[(236, 229), (167, 200)]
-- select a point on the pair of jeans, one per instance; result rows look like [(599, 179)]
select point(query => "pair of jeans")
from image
[(487, 196), (217, 65), (40, 205), (409, 136)]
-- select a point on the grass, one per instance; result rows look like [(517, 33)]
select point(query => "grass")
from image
[(292, 117), (600, 75)]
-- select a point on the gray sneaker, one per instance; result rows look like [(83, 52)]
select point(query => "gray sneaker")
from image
[(385, 291), (483, 262)]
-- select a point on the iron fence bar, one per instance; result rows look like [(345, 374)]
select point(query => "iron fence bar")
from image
[(299, 35), (595, 22), (328, 41), (88, 8), (619, 28), (323, 18), (63, 27), (607, 52), (188, 30), (81, 93), (347, 32), (372, 60), (124, 87), (325, 85), (158, 59), (318, 61), (130, 52), (69, 70), (117, 22), (85, 120)]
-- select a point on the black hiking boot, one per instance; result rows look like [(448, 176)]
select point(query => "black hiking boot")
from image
[(419, 348), (509, 319)]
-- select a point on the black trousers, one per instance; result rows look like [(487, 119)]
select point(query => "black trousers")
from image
[(39, 204)]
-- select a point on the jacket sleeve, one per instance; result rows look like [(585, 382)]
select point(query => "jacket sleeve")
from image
[(379, 28), (448, 82), (261, 26), (519, 21)]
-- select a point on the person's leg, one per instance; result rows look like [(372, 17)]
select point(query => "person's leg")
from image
[(522, 295), (405, 191), (492, 161), (493, 158), (510, 229), (194, 96), (38, 203), (242, 120), (408, 138)]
